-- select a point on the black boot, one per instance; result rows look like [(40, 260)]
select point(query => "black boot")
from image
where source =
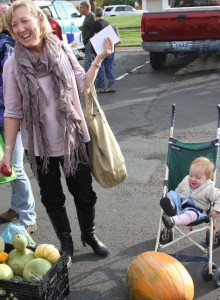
[(167, 207), (60, 222), (86, 219)]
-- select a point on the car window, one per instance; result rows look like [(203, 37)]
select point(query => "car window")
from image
[(120, 8), (47, 11), (60, 10), (108, 8), (70, 10), (128, 8)]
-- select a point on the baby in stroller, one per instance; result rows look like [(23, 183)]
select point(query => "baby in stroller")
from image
[(192, 198)]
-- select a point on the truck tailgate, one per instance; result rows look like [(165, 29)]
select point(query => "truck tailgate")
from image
[(181, 25)]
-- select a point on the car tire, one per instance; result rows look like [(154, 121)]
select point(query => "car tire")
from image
[(157, 60)]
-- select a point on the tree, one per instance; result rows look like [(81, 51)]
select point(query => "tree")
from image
[(93, 5)]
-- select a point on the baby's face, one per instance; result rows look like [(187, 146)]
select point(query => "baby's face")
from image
[(197, 176)]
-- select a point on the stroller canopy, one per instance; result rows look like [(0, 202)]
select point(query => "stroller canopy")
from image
[(180, 155)]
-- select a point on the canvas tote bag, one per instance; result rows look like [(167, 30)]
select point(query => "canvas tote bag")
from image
[(106, 160)]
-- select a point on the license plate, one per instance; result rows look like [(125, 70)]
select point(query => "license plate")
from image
[(180, 45)]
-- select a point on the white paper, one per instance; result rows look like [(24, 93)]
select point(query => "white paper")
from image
[(98, 39)]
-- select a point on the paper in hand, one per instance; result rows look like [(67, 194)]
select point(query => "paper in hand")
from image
[(98, 39)]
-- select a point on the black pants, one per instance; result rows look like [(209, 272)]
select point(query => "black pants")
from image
[(79, 185)]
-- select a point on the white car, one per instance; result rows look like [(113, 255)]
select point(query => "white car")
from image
[(119, 10), (69, 19)]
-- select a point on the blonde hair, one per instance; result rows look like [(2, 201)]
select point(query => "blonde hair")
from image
[(33, 9), (205, 163), (2, 21), (3, 8)]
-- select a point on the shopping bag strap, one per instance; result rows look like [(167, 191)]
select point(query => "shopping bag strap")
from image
[(91, 97)]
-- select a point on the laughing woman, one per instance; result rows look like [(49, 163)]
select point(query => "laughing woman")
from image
[(42, 83)]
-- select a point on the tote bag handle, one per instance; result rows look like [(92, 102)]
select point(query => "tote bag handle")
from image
[(91, 97)]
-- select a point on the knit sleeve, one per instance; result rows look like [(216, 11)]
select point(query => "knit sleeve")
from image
[(11, 91), (79, 72), (215, 197)]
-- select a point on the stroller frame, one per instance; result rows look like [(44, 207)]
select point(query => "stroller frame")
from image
[(209, 272)]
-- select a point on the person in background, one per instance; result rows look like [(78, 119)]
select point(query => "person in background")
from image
[(42, 84), (22, 205), (192, 198), (53, 23), (106, 69), (86, 28)]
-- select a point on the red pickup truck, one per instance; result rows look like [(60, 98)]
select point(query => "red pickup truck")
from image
[(188, 26)]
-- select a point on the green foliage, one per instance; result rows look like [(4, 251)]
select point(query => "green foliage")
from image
[(125, 21), (129, 29), (130, 38), (99, 3)]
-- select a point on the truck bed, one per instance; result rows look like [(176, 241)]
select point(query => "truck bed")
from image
[(189, 26), (177, 24)]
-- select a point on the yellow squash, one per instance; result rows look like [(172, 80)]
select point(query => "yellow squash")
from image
[(47, 251)]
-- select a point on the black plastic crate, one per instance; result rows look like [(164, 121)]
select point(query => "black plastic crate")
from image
[(53, 286)]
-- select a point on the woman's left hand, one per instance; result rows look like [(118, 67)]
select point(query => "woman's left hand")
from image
[(108, 48)]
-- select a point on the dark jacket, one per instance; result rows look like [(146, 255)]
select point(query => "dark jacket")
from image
[(86, 28), (6, 49), (97, 26)]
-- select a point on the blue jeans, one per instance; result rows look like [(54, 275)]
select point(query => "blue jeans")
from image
[(22, 199), (175, 198), (88, 57), (107, 71)]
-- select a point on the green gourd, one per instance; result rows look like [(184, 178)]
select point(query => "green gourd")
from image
[(20, 256), (35, 269)]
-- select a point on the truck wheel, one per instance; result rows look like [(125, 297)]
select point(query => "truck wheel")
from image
[(157, 60)]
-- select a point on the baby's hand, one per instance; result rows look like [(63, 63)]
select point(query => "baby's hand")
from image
[(214, 215)]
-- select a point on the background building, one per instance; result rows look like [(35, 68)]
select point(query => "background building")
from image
[(155, 5)]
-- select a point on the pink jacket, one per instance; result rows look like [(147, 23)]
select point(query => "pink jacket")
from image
[(13, 96)]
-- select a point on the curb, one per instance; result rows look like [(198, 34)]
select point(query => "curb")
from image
[(128, 49)]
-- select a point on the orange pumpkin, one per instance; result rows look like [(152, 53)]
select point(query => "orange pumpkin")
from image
[(158, 276), (3, 257)]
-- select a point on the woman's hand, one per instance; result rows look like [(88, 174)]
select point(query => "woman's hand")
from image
[(11, 127), (5, 167), (108, 48)]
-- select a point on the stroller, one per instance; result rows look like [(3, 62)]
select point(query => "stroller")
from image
[(180, 155)]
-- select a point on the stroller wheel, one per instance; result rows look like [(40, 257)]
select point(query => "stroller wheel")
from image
[(216, 278), (205, 272), (217, 238)]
